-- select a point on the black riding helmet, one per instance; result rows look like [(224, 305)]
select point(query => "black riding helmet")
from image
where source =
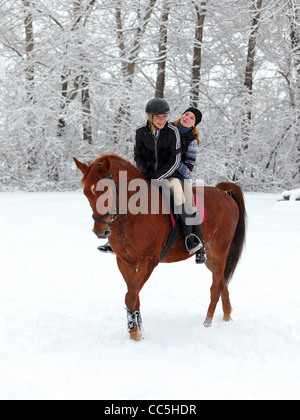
[(158, 106)]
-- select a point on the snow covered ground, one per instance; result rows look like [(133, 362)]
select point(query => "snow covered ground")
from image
[(63, 321), (290, 195)]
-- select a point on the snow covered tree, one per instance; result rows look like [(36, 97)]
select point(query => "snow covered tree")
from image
[(162, 51), (200, 10), (294, 84), (76, 75), (130, 44), (249, 74)]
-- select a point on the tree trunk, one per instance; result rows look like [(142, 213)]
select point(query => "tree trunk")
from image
[(29, 37), (257, 7), (162, 51), (86, 110), (247, 117), (197, 59), (30, 83), (295, 43), (126, 72), (295, 85), (67, 96)]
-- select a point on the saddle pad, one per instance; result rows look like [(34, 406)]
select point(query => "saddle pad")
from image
[(200, 207)]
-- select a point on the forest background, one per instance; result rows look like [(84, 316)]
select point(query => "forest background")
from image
[(75, 76)]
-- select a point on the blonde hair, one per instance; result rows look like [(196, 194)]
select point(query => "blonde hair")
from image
[(152, 121)]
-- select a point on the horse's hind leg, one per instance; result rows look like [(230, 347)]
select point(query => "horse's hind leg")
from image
[(216, 291), (227, 309)]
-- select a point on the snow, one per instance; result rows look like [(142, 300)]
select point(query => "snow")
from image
[(290, 195), (63, 321), (2, 64)]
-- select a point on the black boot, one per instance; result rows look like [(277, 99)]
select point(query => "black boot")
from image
[(106, 249), (192, 241), (201, 256)]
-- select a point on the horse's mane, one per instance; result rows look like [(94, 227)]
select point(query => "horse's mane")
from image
[(95, 170), (127, 165)]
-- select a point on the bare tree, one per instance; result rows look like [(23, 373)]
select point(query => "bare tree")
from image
[(29, 47), (129, 52), (249, 74), (133, 49), (80, 84), (292, 78), (295, 86), (30, 83), (162, 50), (197, 57), (295, 44)]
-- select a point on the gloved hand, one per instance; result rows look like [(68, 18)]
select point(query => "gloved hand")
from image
[(149, 170)]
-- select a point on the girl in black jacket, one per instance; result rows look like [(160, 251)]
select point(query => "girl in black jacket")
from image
[(157, 149), (158, 154)]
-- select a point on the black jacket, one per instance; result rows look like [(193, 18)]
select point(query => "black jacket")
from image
[(158, 158)]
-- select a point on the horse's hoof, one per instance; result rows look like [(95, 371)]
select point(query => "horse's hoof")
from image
[(135, 335), (207, 323)]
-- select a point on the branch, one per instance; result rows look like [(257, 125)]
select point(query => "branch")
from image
[(87, 9), (13, 49), (53, 18)]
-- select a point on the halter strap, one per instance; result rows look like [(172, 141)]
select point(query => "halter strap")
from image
[(112, 215)]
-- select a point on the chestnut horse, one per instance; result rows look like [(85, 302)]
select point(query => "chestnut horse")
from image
[(139, 240)]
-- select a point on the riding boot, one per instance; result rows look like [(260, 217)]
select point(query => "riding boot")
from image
[(201, 256), (186, 218), (106, 249)]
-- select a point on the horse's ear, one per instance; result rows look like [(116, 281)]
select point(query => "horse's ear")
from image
[(81, 166), (105, 165)]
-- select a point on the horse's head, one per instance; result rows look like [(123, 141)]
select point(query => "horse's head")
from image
[(99, 188)]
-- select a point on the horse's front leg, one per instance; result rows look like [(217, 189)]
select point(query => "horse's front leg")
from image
[(135, 277), (132, 301), (135, 325)]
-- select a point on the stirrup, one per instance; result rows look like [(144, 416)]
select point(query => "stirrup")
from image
[(196, 247)]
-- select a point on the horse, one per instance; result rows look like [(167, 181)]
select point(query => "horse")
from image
[(139, 240)]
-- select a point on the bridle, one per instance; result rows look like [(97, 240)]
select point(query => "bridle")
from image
[(112, 215)]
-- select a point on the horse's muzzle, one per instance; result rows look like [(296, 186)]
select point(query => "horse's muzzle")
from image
[(102, 234)]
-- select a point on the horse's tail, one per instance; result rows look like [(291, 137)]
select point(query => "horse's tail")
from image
[(238, 241)]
